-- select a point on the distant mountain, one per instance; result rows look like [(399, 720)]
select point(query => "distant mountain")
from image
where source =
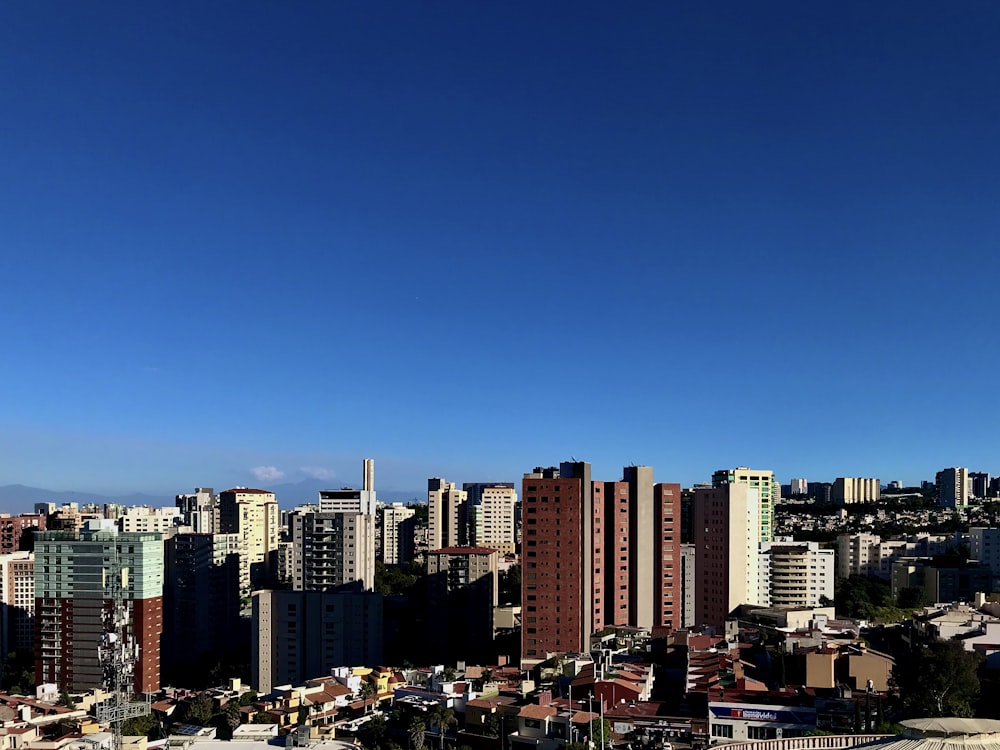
[(19, 498), (291, 494)]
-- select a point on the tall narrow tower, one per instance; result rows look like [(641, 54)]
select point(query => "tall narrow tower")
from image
[(118, 652)]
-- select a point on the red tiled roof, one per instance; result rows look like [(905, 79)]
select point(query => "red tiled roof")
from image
[(534, 711), (462, 551)]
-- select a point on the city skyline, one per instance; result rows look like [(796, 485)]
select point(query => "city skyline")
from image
[(248, 244)]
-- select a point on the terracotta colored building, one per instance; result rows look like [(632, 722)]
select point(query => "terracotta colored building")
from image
[(596, 554), (12, 530)]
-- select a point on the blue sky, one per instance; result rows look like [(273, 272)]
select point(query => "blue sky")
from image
[(469, 238)]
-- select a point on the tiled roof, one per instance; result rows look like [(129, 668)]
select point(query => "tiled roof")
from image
[(534, 711)]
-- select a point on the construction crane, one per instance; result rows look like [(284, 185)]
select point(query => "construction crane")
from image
[(118, 651)]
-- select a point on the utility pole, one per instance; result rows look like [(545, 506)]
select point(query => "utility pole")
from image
[(117, 650)]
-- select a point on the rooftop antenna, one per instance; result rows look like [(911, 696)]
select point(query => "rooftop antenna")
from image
[(117, 651)]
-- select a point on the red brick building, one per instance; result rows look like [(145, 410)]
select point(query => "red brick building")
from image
[(596, 554)]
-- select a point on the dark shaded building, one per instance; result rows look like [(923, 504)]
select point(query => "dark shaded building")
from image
[(201, 600), (461, 597)]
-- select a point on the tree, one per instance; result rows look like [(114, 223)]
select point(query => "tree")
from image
[(65, 699), (441, 718), (492, 725), (233, 716), (449, 674), (248, 697), (374, 731), (600, 731), (366, 691), (938, 680), (138, 726), (416, 732), (199, 710)]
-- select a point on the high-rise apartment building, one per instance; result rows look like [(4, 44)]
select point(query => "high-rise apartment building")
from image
[(688, 584), (331, 550), (253, 514), (336, 545), (726, 536), (953, 487), (462, 594), (201, 598), (984, 546), (144, 518), (850, 490), (493, 519), (17, 596), (15, 531), (795, 574), (979, 483), (298, 635), (799, 486), (596, 554), (71, 569), (398, 527), (200, 510), (768, 491), (447, 514)]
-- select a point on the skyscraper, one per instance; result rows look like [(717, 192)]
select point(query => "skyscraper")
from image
[(953, 487), (336, 545), (447, 514), (70, 601), (201, 599), (17, 595), (493, 519), (769, 493), (398, 526), (200, 510), (850, 490), (253, 514), (597, 554), (726, 531)]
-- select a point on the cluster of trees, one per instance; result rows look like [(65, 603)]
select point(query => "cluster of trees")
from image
[(439, 720), (940, 679), (871, 599)]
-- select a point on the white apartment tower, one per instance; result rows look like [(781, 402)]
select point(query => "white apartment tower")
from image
[(954, 487), (254, 516), (768, 492), (447, 515), (17, 595), (398, 525), (200, 510), (336, 545), (493, 519), (850, 490), (795, 574)]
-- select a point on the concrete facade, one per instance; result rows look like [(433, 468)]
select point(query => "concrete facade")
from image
[(768, 491), (299, 635), (850, 490), (253, 515), (398, 526), (726, 530), (954, 487), (447, 514)]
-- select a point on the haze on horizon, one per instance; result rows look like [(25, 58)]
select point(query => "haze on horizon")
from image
[(469, 239)]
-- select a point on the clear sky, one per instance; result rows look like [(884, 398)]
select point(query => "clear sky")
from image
[(468, 238)]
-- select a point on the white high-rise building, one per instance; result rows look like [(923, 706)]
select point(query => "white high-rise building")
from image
[(447, 515), (144, 518), (17, 595), (850, 490), (398, 525), (493, 519), (954, 487), (727, 526), (200, 510), (795, 574), (336, 545)]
